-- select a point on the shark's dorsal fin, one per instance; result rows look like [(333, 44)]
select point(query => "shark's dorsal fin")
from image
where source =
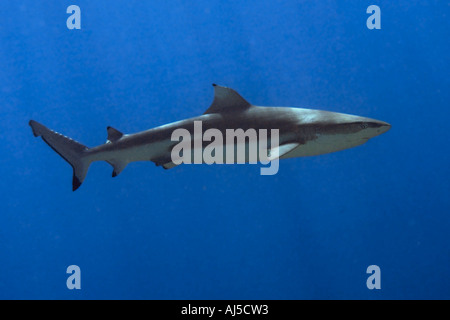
[(227, 100), (113, 134)]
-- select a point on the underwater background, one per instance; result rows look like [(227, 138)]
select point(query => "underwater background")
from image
[(225, 231)]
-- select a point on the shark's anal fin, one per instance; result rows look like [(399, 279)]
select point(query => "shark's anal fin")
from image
[(227, 100), (282, 150), (113, 134), (118, 166)]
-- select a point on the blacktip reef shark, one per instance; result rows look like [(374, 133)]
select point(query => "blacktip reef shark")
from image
[(302, 132)]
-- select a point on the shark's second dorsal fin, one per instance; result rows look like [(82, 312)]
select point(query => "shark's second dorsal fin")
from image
[(227, 100), (113, 134)]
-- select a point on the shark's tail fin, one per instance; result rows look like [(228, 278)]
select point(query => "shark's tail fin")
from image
[(73, 152)]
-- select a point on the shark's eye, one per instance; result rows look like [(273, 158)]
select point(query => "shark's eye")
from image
[(363, 125)]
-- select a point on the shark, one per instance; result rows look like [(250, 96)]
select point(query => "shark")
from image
[(302, 132)]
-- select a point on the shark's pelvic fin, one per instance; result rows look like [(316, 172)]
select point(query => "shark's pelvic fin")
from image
[(113, 134), (165, 162), (169, 165), (70, 150), (227, 100)]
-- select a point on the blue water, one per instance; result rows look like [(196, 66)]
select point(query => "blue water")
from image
[(224, 231)]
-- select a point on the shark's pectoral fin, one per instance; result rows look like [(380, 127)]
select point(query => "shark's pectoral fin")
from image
[(281, 151), (118, 166), (227, 100)]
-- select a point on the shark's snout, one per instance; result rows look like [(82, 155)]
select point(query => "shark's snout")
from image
[(380, 126), (374, 128)]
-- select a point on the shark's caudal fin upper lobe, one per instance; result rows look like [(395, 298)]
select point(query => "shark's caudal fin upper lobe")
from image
[(73, 152)]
